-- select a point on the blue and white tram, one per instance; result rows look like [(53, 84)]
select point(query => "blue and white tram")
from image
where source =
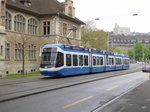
[(60, 59)]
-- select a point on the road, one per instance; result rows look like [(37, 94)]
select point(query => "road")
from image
[(85, 97), (13, 88)]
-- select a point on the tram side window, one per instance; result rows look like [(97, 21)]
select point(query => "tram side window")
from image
[(112, 61), (126, 61), (94, 60), (98, 60), (86, 60), (80, 60), (75, 60), (60, 59), (107, 60), (101, 60), (118, 61), (68, 59)]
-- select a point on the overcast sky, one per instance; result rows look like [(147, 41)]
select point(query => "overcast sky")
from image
[(115, 11)]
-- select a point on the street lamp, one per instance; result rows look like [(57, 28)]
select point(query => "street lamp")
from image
[(134, 52), (97, 18), (143, 54), (135, 14)]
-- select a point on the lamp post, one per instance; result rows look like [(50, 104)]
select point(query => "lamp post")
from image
[(143, 53), (135, 14), (134, 51), (108, 41)]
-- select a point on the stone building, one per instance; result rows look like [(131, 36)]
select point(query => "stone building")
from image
[(127, 42), (26, 25), (121, 30)]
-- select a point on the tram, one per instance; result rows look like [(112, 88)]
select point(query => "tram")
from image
[(63, 60)]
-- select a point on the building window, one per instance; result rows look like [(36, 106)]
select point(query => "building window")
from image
[(32, 26), (18, 51), (8, 21), (1, 50), (7, 51), (19, 23), (64, 29), (32, 52), (70, 10), (46, 27)]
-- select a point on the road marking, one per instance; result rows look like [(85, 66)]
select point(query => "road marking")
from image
[(74, 103), (130, 81), (114, 87)]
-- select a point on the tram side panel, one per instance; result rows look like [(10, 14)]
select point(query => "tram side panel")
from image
[(126, 63), (119, 63), (110, 63), (97, 62)]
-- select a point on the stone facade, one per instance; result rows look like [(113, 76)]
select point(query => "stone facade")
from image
[(21, 41), (127, 42), (121, 30), (2, 37)]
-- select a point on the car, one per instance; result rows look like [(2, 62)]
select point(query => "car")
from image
[(146, 68)]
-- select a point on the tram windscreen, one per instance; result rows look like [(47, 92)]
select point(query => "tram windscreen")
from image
[(48, 57)]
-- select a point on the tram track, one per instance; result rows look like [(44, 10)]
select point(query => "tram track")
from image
[(56, 86), (41, 78)]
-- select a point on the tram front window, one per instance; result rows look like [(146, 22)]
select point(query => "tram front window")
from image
[(51, 58)]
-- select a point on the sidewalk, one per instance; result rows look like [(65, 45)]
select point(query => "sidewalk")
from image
[(137, 100)]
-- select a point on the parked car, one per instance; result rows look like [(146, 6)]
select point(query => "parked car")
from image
[(146, 68)]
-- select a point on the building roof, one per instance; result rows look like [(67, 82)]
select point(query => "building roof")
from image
[(41, 8), (139, 37)]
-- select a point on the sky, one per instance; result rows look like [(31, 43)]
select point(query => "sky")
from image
[(115, 11)]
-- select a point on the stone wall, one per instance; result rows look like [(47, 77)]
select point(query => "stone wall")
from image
[(13, 66)]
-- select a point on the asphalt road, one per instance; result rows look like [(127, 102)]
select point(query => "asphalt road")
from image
[(11, 88), (80, 98)]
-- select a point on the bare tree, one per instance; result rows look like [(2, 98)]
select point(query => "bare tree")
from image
[(21, 46)]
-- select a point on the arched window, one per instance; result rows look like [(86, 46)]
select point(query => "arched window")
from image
[(32, 26), (8, 21), (70, 10), (19, 23)]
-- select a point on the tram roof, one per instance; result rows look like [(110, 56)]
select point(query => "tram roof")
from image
[(81, 48)]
